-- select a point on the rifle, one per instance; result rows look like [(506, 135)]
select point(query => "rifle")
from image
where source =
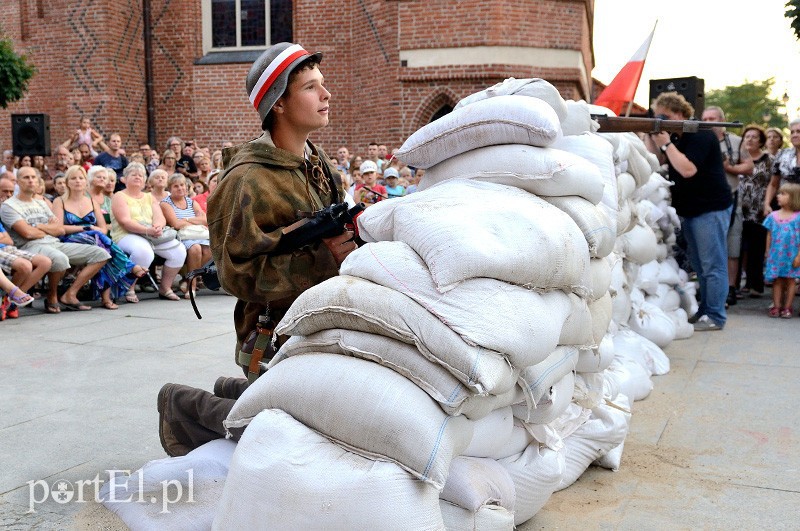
[(623, 124), (326, 223)]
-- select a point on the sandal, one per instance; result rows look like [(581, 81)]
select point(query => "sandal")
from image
[(168, 296), (110, 305), (131, 297), (786, 313), (21, 299), (774, 312), (52, 307)]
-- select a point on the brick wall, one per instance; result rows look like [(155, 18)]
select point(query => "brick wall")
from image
[(90, 60)]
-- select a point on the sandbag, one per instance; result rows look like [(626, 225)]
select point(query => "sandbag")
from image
[(632, 379), (540, 171), (668, 272), (647, 280), (601, 312), (474, 482), (531, 87), (536, 473), (551, 404), (605, 429), (665, 298), (600, 271), (356, 403), (489, 517), (356, 304), (600, 153), (467, 229), (638, 166), (629, 344), (500, 120), (626, 184), (651, 322), (579, 119), (284, 475), (597, 228), (577, 330), (476, 309), (639, 244), (596, 359), (683, 329), (490, 434), (453, 396), (613, 458), (624, 218), (537, 380), (519, 440)]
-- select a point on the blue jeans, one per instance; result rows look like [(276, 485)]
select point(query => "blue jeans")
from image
[(707, 247)]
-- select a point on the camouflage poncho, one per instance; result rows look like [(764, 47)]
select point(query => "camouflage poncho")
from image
[(261, 191)]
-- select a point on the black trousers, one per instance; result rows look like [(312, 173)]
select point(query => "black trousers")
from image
[(754, 244)]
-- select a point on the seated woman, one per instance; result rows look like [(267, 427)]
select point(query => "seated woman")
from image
[(157, 185), (187, 217), (84, 223), (202, 199), (97, 178), (138, 227), (169, 162)]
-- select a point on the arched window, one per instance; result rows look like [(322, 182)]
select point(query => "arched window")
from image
[(443, 110)]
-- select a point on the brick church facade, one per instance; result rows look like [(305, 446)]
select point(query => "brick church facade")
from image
[(391, 65)]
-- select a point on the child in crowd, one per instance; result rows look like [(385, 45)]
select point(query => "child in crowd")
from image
[(369, 191), (783, 250), (393, 189)]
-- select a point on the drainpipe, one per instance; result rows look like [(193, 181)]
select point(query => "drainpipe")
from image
[(148, 74)]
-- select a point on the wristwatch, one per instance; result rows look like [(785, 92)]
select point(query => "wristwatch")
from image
[(665, 146)]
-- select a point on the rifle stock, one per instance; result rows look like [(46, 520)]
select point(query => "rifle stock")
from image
[(624, 124)]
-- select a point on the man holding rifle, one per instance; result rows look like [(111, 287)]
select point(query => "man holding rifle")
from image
[(702, 198), (268, 183)]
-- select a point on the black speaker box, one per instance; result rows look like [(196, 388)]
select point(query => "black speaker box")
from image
[(30, 134), (691, 88)]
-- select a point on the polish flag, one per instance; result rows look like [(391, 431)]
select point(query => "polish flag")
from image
[(620, 92)]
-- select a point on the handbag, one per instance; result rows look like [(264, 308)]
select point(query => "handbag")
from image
[(167, 234), (193, 232)]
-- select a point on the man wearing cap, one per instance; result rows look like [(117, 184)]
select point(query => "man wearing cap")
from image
[(369, 191), (266, 183)]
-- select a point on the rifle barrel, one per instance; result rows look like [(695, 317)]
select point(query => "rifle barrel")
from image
[(621, 124)]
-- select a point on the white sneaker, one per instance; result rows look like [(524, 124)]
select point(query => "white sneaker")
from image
[(704, 324)]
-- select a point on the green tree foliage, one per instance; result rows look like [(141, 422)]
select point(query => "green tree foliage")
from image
[(15, 72), (749, 103), (793, 14)]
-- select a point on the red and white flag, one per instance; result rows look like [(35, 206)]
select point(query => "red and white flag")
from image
[(620, 92)]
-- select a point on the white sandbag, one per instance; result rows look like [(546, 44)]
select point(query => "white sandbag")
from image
[(468, 229), (626, 184), (199, 476), (579, 119), (551, 404), (648, 212), (668, 272), (633, 380), (639, 245), (531, 87), (621, 307), (662, 251), (490, 434), (537, 380), (283, 475), (553, 433), (453, 397), (589, 389), (536, 473), (688, 294), (683, 329), (600, 271), (540, 171), (601, 311), (613, 458), (665, 298), (607, 428), (487, 517), (639, 168), (516, 444), (356, 403), (600, 153), (500, 120), (650, 185), (651, 322), (624, 217), (474, 482), (597, 228), (647, 280), (577, 330), (476, 309), (596, 359), (356, 304)]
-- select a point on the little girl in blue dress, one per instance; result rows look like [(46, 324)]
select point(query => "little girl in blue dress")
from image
[(782, 265)]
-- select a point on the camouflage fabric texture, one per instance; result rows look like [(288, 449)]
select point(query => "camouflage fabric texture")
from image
[(260, 192)]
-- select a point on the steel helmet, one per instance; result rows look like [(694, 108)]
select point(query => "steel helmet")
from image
[(269, 75)]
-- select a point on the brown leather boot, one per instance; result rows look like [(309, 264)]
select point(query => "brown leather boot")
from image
[(189, 417)]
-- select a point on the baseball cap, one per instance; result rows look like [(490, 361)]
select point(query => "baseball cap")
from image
[(391, 172), (368, 166)]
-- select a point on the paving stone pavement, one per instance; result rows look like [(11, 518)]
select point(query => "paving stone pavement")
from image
[(714, 446)]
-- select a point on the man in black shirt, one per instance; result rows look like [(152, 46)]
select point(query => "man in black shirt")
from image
[(702, 198)]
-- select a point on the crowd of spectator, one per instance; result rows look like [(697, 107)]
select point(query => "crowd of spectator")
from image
[(99, 224)]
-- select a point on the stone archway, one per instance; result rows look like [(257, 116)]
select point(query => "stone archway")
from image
[(435, 105)]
